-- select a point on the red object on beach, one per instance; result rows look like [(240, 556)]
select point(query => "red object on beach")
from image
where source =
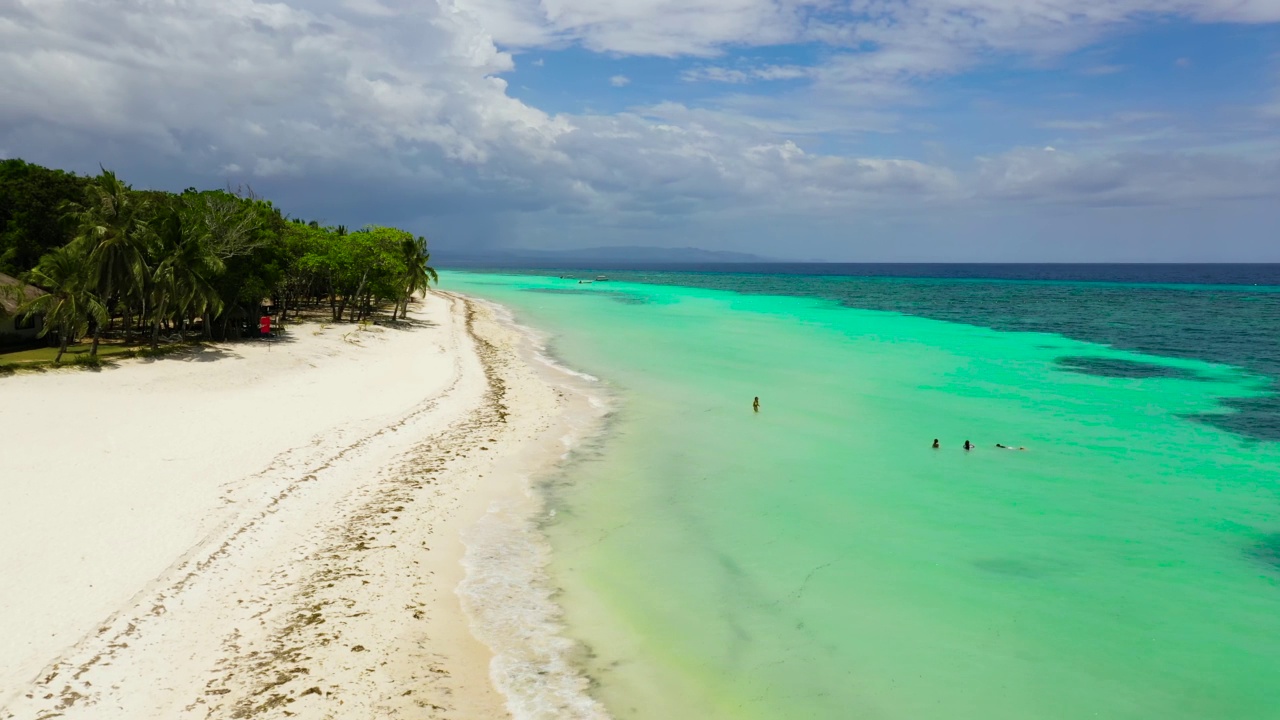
[(265, 324)]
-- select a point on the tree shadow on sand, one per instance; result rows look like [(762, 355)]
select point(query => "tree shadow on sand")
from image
[(406, 324), (211, 351)]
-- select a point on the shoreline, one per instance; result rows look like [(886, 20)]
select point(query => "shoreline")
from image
[(506, 593), (327, 578)]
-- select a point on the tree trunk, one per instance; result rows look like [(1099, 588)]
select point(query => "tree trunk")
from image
[(97, 333), (333, 300), (359, 293), (142, 320), (366, 306), (62, 344)]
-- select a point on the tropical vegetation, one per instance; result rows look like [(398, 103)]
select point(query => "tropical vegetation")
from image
[(145, 264)]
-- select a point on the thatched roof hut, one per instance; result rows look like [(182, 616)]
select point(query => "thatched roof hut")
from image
[(14, 294), (11, 300)]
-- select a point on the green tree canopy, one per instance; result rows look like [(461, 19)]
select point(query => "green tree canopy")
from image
[(157, 260), (31, 201)]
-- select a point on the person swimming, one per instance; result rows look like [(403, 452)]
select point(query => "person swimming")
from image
[(755, 404), (935, 444), (968, 445), (1007, 447)]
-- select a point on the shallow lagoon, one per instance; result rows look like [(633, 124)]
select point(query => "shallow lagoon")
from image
[(819, 560)]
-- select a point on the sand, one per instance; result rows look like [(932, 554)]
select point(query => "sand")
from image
[(268, 530)]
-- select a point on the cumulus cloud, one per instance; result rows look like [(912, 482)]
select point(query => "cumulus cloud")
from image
[(619, 81), (397, 109), (401, 100)]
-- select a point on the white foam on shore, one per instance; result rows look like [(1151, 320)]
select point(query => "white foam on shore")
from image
[(508, 596), (552, 362), (507, 592), (539, 342)]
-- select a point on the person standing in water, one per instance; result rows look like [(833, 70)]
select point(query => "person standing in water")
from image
[(968, 445), (935, 444), (755, 404)]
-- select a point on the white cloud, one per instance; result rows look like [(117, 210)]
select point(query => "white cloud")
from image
[(1111, 122), (273, 166), (715, 74), (619, 81), (712, 73), (395, 109), (399, 103), (878, 47), (898, 42), (1050, 175), (1140, 116), (642, 27)]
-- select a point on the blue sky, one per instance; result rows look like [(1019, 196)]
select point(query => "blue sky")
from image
[(856, 130), (1147, 78)]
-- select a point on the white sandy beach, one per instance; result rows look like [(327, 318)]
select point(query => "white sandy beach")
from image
[(268, 530)]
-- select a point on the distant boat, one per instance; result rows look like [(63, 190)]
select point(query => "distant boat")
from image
[(601, 278), (584, 282)]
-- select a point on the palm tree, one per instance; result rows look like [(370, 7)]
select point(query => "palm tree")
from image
[(70, 302), (181, 282), (418, 274), (110, 231)]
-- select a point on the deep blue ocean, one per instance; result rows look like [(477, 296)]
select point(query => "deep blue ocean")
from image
[(1221, 313)]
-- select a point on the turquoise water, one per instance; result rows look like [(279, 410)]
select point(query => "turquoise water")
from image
[(819, 560)]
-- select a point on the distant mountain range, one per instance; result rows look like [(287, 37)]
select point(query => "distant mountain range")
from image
[(608, 255)]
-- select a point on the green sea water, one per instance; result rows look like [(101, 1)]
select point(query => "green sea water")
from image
[(819, 560)]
